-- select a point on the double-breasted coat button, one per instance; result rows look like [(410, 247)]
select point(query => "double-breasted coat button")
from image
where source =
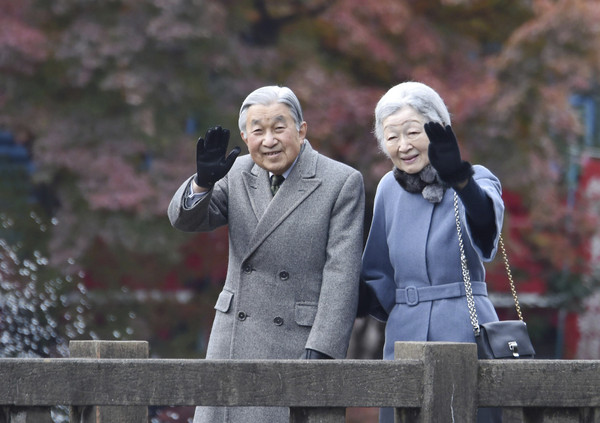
[(278, 321), (247, 268), (242, 316), (283, 275)]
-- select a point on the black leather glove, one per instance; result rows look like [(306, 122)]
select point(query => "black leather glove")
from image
[(444, 154), (315, 355), (211, 162)]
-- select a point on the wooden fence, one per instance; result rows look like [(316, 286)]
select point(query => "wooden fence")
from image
[(112, 382)]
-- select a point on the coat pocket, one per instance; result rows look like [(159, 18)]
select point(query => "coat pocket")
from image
[(305, 313), (224, 301)]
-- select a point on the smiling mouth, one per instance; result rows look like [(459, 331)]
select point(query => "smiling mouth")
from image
[(272, 153)]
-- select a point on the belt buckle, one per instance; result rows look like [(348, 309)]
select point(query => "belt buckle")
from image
[(412, 295)]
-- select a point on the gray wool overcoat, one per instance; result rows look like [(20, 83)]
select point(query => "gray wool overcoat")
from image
[(294, 264)]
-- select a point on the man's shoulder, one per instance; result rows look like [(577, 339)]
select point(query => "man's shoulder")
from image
[(243, 162), (329, 164)]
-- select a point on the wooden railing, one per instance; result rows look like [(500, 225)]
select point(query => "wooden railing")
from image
[(429, 382)]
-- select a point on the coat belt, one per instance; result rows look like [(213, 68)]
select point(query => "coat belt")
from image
[(413, 295)]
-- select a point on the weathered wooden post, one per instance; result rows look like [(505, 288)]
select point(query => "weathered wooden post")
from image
[(26, 415), (109, 349), (317, 415), (449, 382)]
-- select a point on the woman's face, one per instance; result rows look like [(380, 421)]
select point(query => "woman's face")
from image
[(405, 140)]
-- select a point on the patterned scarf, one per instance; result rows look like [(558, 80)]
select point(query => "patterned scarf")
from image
[(427, 182)]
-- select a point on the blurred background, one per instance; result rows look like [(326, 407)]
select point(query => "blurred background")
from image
[(101, 103)]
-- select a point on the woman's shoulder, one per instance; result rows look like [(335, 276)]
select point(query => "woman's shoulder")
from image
[(387, 180), (485, 178), (481, 171), (388, 187)]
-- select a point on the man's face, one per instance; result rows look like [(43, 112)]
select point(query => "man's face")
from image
[(406, 141), (272, 138)]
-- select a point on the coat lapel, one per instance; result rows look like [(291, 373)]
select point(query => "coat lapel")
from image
[(272, 211), (257, 187)]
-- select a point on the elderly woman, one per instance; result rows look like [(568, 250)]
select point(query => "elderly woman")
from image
[(411, 263)]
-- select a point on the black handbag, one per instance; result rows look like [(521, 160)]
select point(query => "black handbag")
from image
[(504, 339)]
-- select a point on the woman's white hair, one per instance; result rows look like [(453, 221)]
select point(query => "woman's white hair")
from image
[(422, 98), (269, 95)]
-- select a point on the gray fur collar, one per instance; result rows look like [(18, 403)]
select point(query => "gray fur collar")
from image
[(427, 182)]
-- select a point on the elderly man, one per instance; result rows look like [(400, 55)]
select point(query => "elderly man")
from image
[(295, 241)]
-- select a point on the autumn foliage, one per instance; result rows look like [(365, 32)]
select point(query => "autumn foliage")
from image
[(112, 96)]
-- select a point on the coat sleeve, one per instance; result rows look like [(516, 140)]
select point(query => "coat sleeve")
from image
[(377, 271), (332, 327), (492, 188), (207, 214)]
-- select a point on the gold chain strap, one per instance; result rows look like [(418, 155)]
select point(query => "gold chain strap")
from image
[(465, 271), (467, 276), (510, 278)]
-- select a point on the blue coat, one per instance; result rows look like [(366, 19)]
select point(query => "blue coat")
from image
[(412, 262)]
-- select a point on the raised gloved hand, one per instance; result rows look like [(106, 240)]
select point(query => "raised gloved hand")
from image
[(310, 354), (444, 154), (211, 162)]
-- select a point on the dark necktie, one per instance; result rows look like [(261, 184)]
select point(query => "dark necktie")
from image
[(276, 181)]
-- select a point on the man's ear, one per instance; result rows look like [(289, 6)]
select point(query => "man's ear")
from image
[(303, 130), (245, 139)]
